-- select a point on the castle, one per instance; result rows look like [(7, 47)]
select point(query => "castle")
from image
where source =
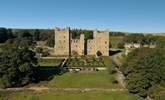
[(65, 45)]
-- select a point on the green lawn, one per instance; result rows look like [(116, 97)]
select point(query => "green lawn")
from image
[(100, 79), (50, 62), (114, 40), (73, 96)]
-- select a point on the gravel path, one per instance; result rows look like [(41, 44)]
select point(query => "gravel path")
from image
[(120, 76), (43, 89)]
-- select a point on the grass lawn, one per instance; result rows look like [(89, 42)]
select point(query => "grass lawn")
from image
[(50, 62), (114, 40), (100, 79), (73, 96)]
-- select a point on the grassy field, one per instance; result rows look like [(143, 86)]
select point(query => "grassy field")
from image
[(73, 96), (114, 40)]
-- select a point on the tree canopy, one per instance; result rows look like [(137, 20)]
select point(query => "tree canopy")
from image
[(16, 65), (144, 68)]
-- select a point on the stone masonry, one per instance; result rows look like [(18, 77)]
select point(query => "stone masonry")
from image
[(65, 45)]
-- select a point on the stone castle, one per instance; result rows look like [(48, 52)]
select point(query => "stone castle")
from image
[(65, 45)]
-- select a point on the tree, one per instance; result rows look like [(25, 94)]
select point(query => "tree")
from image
[(39, 50), (160, 41), (45, 54), (50, 41), (74, 53), (120, 45), (36, 35), (25, 33), (3, 35), (143, 69), (98, 53), (16, 67)]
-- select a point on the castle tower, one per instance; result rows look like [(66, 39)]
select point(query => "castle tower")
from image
[(100, 42), (101, 39), (62, 41)]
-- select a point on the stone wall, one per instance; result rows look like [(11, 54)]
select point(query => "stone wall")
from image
[(77, 45)]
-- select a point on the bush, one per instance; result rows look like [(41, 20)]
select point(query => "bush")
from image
[(45, 54), (99, 53), (113, 72), (114, 81)]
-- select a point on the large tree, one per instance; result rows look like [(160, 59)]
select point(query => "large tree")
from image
[(16, 66)]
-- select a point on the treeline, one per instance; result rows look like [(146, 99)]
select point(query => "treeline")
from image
[(144, 39), (33, 34), (117, 33), (5, 34), (140, 38), (88, 34)]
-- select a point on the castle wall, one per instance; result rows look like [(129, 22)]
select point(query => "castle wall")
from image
[(77, 45), (62, 41), (91, 49)]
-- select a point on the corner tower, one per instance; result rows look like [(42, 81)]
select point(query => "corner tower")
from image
[(62, 41)]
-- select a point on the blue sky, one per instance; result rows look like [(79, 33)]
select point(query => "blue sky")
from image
[(117, 15)]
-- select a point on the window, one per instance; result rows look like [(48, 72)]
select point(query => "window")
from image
[(105, 42)]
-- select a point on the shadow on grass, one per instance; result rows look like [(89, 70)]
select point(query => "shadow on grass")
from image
[(46, 73), (113, 52)]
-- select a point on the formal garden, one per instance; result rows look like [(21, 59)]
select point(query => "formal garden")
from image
[(85, 61)]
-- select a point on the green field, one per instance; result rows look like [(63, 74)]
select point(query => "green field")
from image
[(114, 40), (73, 96)]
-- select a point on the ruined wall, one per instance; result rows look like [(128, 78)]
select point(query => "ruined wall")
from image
[(91, 49), (77, 45), (62, 41)]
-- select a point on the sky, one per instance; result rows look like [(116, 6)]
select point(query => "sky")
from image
[(117, 15)]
